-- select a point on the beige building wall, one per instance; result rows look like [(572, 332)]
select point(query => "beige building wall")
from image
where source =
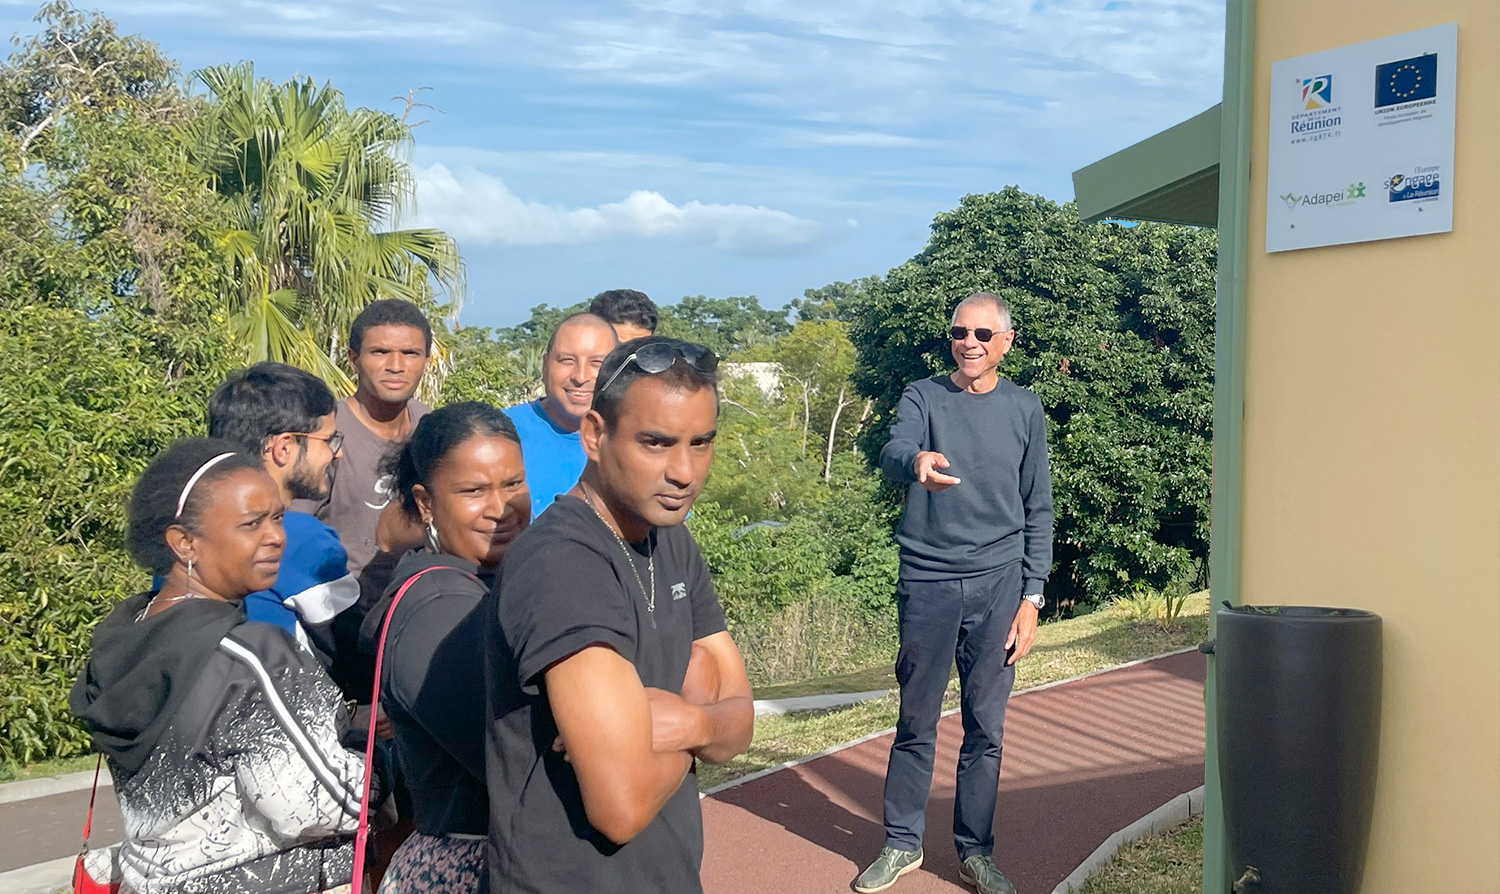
[(1372, 453)]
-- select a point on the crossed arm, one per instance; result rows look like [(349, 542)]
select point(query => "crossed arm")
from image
[(631, 746)]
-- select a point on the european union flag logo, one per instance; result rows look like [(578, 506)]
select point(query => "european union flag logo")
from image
[(1406, 81)]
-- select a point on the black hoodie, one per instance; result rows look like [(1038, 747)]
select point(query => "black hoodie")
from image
[(223, 740)]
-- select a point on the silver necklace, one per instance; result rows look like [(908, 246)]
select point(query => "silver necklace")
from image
[(650, 559), (170, 599)]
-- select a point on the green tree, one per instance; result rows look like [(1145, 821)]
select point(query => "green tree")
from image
[(816, 359), (836, 301), (1114, 334), (485, 370), (314, 192), (728, 325)]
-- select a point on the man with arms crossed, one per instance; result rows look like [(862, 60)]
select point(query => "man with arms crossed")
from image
[(976, 548), (548, 426), (609, 669), (285, 416)]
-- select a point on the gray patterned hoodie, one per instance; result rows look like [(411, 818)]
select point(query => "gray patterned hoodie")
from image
[(223, 738)]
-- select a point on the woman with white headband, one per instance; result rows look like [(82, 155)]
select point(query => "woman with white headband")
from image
[(223, 737)]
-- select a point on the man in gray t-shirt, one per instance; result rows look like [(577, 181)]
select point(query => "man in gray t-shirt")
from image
[(389, 346), (976, 548)]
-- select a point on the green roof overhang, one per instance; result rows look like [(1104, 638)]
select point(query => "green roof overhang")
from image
[(1172, 177)]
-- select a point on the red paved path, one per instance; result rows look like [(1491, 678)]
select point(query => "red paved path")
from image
[(1082, 760)]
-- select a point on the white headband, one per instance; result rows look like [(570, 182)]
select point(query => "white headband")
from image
[(188, 488)]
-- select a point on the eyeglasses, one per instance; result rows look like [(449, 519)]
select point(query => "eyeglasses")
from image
[(959, 333), (335, 440), (659, 356)]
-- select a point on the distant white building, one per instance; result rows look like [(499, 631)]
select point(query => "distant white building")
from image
[(765, 375)]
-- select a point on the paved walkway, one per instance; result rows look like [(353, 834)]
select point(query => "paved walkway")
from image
[(1082, 760)]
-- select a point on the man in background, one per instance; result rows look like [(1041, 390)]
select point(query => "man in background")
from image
[(286, 417), (548, 426), (631, 313), (390, 343), (976, 548)]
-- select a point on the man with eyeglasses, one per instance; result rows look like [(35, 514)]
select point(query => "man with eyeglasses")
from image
[(610, 668), (548, 426), (976, 548), (286, 417)]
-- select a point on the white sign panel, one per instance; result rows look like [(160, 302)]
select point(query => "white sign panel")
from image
[(1362, 141)]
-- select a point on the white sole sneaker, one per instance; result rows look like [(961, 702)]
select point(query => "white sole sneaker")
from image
[(912, 866)]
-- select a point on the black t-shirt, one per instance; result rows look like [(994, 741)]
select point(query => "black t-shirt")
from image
[(433, 692), (565, 585)]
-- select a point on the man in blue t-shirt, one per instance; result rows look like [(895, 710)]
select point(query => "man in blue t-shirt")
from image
[(286, 417), (548, 426)]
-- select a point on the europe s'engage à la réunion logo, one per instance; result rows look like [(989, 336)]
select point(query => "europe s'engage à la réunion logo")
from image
[(1317, 93)]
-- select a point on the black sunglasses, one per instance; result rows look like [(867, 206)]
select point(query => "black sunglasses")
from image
[(959, 333), (659, 356)]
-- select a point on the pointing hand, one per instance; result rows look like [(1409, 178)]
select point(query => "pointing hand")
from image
[(927, 465)]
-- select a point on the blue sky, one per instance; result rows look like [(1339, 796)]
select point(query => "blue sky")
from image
[(743, 147)]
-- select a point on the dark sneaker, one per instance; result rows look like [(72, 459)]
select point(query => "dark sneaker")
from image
[(889, 866), (979, 871)]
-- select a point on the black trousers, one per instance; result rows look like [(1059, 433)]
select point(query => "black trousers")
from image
[(967, 620)]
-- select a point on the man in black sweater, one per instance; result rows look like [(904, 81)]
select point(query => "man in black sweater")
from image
[(976, 548)]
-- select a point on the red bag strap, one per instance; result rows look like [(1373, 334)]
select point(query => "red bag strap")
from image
[(362, 833), (88, 819)]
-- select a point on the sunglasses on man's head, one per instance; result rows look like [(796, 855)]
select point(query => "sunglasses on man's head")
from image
[(959, 333), (659, 356)]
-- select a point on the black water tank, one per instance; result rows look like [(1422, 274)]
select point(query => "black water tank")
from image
[(1298, 713)]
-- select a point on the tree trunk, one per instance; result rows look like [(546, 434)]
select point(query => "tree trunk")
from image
[(833, 428), (806, 416)]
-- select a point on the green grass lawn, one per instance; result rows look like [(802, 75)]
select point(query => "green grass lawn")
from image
[(56, 767), (1157, 864), (1063, 649)]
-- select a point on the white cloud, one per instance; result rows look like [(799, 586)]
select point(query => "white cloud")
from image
[(475, 207), (860, 138)]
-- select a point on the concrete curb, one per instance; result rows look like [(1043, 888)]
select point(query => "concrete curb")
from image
[(769, 706), (51, 785), (1168, 816), (39, 878), (741, 780)]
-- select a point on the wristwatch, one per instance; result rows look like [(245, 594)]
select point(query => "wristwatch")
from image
[(1037, 600)]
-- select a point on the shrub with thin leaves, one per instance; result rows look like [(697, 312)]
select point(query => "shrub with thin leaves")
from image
[(86, 407)]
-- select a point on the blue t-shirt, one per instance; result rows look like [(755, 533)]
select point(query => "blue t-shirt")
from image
[(554, 458), (312, 585)]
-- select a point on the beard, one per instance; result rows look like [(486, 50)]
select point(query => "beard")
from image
[(306, 484)]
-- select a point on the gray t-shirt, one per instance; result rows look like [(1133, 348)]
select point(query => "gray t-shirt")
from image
[(359, 491)]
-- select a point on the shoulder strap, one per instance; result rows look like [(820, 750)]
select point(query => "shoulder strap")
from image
[(88, 819), (362, 833)]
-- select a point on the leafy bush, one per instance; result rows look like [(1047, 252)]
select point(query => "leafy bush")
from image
[(799, 602), (86, 407)]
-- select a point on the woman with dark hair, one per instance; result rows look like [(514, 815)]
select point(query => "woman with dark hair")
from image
[(461, 478), (222, 736)]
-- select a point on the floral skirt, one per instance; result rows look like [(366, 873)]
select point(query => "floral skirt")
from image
[(428, 864)]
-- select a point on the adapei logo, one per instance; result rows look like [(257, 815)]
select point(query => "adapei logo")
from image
[(1350, 194)]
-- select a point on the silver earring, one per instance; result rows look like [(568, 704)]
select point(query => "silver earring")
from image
[(432, 538), (189, 569)]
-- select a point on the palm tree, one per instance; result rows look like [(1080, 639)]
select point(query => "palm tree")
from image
[(315, 191)]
